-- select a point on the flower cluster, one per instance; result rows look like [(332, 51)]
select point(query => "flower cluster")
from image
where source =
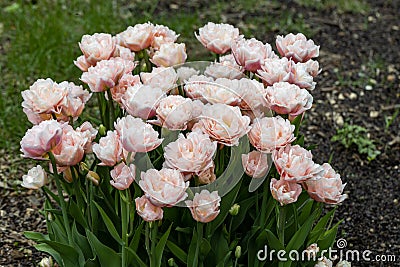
[(146, 96), (222, 106), (287, 82)]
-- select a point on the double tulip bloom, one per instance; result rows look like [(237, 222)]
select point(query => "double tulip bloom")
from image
[(217, 38), (47, 99)]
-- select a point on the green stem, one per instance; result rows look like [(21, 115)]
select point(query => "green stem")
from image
[(257, 208), (124, 218), (147, 240), (61, 197), (199, 239), (77, 188), (112, 110), (217, 56), (92, 208), (281, 224), (264, 202), (295, 216), (153, 240), (147, 61), (181, 91), (100, 103), (89, 214)]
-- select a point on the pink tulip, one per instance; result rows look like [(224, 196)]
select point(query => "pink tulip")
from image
[(147, 210), (295, 164), (35, 179), (142, 100), (136, 38), (191, 154), (224, 70), (41, 139), (195, 85), (109, 149), (184, 73), (222, 90), (44, 97), (217, 38), (255, 164), (296, 47), (124, 53), (82, 63), (106, 74), (205, 206), (271, 133), (74, 100), (285, 192), (286, 98), (224, 124), (163, 78), (165, 187), (299, 75), (136, 135), (274, 70), (97, 47), (70, 151), (174, 112), (327, 188), (89, 133), (207, 176), (251, 53), (312, 67), (251, 93), (122, 176), (127, 80), (161, 35), (170, 54)]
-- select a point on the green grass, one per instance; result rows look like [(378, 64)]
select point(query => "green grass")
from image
[(39, 39), (353, 6)]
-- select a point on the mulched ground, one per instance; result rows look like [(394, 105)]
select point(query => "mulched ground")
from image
[(359, 84)]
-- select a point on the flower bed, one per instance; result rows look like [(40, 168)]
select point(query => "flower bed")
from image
[(208, 154)]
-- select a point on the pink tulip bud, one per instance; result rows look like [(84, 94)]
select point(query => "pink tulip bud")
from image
[(147, 210), (204, 206)]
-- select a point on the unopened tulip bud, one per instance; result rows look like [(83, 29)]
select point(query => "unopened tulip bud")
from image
[(68, 176), (143, 66), (46, 262), (238, 252), (84, 167), (343, 264), (171, 262), (102, 130), (93, 177), (234, 210)]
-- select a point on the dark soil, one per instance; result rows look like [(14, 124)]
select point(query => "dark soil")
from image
[(359, 84)]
